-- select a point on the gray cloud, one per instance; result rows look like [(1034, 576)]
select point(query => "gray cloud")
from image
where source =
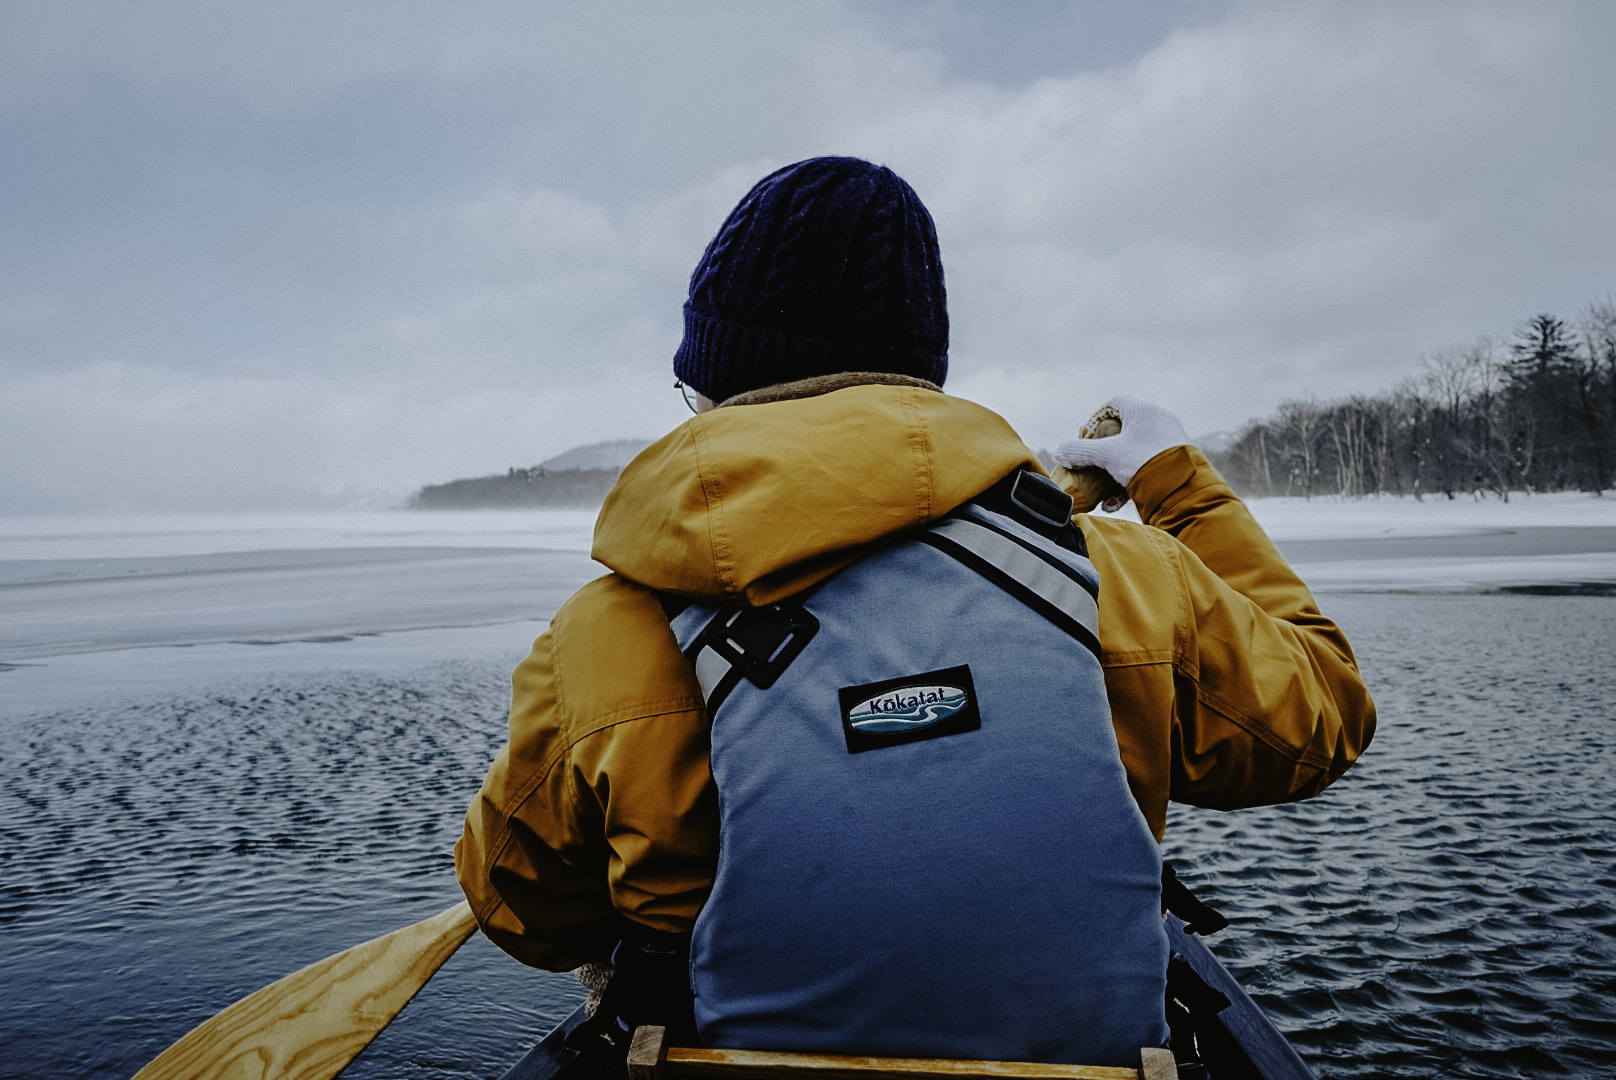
[(291, 253)]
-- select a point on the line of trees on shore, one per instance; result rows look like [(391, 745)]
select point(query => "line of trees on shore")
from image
[(1537, 413)]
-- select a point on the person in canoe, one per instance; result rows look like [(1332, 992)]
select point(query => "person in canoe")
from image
[(866, 742)]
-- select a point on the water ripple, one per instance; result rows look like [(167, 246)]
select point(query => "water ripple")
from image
[(161, 859), (1446, 908)]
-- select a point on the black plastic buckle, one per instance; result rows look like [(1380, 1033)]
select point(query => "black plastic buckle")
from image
[(761, 642), (1041, 497), (1038, 503)]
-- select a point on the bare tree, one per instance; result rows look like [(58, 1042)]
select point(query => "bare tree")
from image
[(1298, 423), (1597, 388)]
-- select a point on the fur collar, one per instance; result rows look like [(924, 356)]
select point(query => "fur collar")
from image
[(824, 384)]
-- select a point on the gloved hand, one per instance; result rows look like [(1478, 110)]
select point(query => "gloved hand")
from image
[(1147, 430)]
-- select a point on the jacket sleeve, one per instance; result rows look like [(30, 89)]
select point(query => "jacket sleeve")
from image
[(601, 807), (1271, 706)]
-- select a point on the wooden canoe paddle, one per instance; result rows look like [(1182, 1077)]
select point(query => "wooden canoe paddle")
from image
[(310, 1024)]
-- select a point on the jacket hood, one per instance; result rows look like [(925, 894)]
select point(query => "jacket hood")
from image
[(750, 503)]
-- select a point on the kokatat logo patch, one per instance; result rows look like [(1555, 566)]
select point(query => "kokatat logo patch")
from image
[(907, 709)]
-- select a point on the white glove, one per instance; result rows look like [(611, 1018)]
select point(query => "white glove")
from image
[(1147, 430)]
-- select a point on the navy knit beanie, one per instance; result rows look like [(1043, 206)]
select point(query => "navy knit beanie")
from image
[(827, 266)]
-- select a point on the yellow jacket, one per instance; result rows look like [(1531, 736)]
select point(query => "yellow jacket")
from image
[(1228, 688)]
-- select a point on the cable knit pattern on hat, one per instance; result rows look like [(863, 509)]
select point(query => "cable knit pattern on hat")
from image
[(826, 266)]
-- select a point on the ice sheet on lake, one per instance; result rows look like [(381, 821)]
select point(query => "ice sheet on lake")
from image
[(1594, 569), (53, 607), (125, 536), (121, 676), (130, 605), (1402, 544)]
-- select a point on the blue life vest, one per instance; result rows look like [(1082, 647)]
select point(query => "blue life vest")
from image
[(927, 843)]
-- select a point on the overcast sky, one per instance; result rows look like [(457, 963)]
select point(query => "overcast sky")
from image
[(312, 253)]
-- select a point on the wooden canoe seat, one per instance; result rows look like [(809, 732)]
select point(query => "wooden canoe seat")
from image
[(650, 1058)]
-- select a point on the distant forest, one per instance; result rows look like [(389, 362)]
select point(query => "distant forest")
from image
[(535, 487), (1537, 413)]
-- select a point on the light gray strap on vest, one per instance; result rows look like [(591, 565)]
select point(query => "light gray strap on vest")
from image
[(1059, 592), (710, 671), (710, 666)]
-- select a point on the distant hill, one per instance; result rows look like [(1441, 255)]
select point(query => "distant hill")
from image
[(602, 455), (578, 479)]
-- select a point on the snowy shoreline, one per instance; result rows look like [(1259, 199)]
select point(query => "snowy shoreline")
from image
[(1332, 517), (1338, 517)]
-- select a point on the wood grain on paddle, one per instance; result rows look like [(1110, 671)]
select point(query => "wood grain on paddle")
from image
[(309, 1025)]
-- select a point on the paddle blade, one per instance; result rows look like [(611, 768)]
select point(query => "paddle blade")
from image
[(309, 1025)]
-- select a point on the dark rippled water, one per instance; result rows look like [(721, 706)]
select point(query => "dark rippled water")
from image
[(1447, 909), (161, 860)]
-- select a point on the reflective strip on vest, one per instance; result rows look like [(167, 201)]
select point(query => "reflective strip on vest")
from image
[(710, 671), (1045, 583)]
